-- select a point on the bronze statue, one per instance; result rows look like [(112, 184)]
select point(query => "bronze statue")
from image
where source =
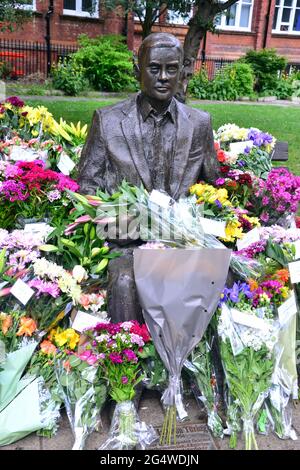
[(151, 139)]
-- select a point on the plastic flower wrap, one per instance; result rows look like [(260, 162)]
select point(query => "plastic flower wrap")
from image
[(25, 404), (83, 393), (179, 291), (247, 345), (202, 371), (132, 213), (115, 348)]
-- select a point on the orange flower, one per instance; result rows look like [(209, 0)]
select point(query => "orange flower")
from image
[(252, 284), (221, 156), (48, 348), (27, 326), (85, 300), (282, 275), (6, 323), (67, 365)]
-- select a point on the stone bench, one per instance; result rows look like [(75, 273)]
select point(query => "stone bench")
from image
[(280, 152)]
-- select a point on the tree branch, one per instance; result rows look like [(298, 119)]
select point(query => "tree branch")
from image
[(226, 5), (160, 12)]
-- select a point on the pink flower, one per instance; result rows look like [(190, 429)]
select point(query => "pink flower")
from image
[(264, 217), (116, 358), (124, 379), (130, 355), (83, 219), (15, 101), (88, 357)]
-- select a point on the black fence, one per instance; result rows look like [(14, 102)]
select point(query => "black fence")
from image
[(212, 65), (24, 59)]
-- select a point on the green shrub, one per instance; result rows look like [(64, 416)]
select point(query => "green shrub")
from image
[(243, 78), (107, 62), (230, 83), (69, 77), (267, 65), (6, 70), (296, 88), (283, 89), (199, 85)]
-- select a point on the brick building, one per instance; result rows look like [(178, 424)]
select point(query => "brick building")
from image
[(250, 24)]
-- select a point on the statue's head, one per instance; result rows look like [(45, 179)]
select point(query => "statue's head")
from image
[(160, 61)]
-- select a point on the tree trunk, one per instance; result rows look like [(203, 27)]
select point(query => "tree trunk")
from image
[(202, 21), (148, 22)]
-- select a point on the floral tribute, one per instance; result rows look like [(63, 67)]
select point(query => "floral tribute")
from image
[(116, 347), (50, 242)]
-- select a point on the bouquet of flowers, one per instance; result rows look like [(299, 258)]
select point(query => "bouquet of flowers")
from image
[(25, 404), (277, 196), (177, 322), (83, 393), (115, 348), (247, 343), (201, 368), (25, 183)]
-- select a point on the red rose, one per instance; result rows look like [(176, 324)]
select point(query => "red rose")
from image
[(221, 156)]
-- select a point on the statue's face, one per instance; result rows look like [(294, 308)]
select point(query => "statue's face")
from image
[(159, 73)]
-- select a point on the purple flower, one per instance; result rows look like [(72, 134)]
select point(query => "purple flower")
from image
[(11, 171), (116, 358), (234, 293), (253, 249), (53, 195), (15, 101), (220, 182), (265, 200), (14, 190), (264, 217), (130, 355), (124, 379), (43, 287), (218, 204)]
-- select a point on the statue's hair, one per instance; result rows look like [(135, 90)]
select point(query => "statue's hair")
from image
[(159, 40)]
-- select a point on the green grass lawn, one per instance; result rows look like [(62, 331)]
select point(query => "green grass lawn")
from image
[(282, 122)]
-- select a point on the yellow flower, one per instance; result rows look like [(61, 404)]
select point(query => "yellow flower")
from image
[(254, 221), (67, 337), (285, 292), (233, 231)]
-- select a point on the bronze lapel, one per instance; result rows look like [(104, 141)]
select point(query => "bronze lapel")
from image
[(132, 134), (184, 140)]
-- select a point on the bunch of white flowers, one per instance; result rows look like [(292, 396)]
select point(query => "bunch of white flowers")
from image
[(231, 132), (65, 281)]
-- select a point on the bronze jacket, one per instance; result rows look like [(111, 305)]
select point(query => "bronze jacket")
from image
[(114, 150)]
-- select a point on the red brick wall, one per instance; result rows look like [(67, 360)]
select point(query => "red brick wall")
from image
[(226, 44), (65, 29)]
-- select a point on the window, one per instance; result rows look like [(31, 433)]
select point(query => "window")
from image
[(238, 17), (27, 5), (287, 17), (89, 8), (140, 11), (173, 17)]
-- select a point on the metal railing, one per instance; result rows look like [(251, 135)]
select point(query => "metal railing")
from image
[(212, 65), (25, 58)]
